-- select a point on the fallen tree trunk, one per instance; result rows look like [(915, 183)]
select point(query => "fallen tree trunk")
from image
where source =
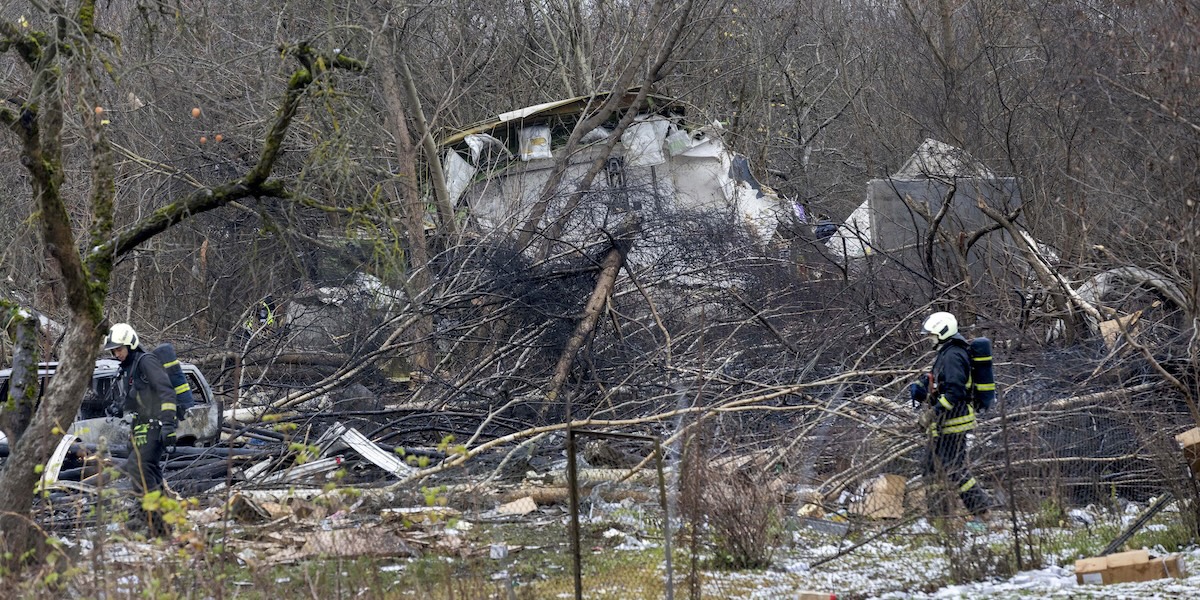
[(1041, 267), (561, 494), (1100, 284), (1061, 405), (610, 266)]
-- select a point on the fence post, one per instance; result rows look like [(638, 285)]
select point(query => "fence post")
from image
[(573, 494), (573, 497), (662, 498)]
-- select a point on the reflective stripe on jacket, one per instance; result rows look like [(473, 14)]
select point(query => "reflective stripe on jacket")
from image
[(952, 376), (148, 390)]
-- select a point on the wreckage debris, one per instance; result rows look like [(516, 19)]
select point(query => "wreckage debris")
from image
[(262, 459)]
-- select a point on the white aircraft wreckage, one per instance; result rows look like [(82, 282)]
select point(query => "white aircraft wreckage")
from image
[(943, 184), (656, 168)]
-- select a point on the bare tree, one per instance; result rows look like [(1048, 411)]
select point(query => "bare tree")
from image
[(38, 123)]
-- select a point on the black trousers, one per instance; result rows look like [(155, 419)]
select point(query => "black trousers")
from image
[(946, 467), (144, 465)]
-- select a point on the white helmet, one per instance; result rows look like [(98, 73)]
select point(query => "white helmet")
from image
[(941, 324), (121, 334)]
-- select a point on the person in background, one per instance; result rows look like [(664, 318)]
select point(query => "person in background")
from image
[(262, 319)]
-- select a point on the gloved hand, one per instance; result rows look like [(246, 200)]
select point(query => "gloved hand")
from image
[(114, 410), (168, 437), (926, 418), (918, 392)]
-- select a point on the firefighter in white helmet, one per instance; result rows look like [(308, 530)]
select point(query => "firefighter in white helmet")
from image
[(144, 389), (950, 413)]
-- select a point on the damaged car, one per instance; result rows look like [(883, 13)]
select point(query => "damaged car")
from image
[(200, 426)]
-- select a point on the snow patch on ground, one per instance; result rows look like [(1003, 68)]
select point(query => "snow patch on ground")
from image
[(1059, 582), (905, 563), (897, 571)]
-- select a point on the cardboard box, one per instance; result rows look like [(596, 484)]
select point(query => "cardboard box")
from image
[(1111, 330), (816, 596), (1190, 442), (884, 498), (1125, 567), (811, 510)]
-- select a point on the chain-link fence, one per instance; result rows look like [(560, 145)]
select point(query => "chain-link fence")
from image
[(733, 517), (829, 489)]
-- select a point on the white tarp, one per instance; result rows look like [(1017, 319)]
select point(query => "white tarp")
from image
[(485, 148), (643, 142), (701, 175), (759, 212), (458, 175)]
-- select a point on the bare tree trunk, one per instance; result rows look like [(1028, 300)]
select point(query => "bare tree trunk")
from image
[(40, 130), (55, 413), (556, 52), (1049, 278), (436, 177), (17, 409), (950, 72), (581, 49), (945, 54), (405, 191), (39, 127)]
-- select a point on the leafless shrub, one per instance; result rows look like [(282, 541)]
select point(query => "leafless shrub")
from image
[(735, 512)]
